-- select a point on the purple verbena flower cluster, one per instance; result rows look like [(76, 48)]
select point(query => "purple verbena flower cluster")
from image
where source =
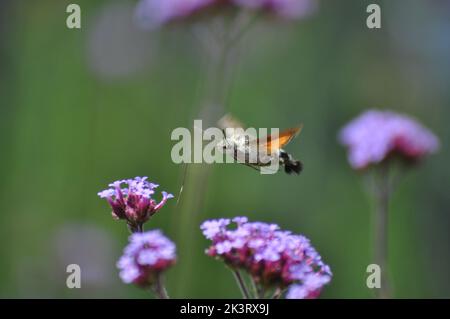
[(131, 199), (146, 256), (153, 13), (272, 257), (375, 135)]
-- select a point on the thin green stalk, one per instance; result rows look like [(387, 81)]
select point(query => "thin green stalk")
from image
[(241, 284), (254, 288), (382, 196), (277, 294), (212, 105), (159, 289), (136, 228), (261, 292)]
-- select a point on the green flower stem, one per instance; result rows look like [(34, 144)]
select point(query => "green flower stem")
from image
[(381, 218), (221, 55), (159, 288), (241, 284), (136, 228)]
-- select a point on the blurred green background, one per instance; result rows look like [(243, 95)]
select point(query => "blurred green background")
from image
[(82, 108)]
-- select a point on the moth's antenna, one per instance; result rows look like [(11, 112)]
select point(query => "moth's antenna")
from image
[(183, 176), (183, 179), (251, 166)]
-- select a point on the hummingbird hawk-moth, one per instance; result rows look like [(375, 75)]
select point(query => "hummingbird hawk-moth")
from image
[(255, 152)]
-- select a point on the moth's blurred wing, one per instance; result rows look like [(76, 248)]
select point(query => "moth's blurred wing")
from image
[(229, 121), (272, 143), (235, 132)]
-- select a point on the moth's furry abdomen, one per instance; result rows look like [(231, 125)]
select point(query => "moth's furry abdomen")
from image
[(290, 165)]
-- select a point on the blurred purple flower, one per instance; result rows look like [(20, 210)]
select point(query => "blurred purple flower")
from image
[(375, 135), (134, 202), (272, 257), (288, 9), (146, 257), (153, 13)]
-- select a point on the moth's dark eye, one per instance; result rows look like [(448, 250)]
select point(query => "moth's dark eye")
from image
[(224, 146)]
